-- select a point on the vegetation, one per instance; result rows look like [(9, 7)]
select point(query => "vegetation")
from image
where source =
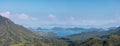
[(12, 34), (112, 39)]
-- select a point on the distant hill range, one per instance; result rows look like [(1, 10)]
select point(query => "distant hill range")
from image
[(61, 31), (12, 34), (90, 34), (105, 38)]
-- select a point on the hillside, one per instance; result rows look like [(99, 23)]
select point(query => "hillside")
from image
[(87, 35), (12, 34), (113, 39)]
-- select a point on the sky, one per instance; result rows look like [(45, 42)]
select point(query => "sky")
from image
[(62, 13)]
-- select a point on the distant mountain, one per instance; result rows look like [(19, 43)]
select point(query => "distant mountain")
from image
[(46, 34), (12, 34), (116, 31), (60, 31), (86, 35), (113, 39)]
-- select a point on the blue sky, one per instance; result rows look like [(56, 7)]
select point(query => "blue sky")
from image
[(65, 13)]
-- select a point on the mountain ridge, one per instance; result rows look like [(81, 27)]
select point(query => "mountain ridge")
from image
[(13, 33)]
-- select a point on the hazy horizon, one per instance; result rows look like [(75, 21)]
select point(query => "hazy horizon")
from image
[(62, 13)]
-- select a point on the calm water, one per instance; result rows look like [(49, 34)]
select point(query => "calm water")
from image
[(63, 32)]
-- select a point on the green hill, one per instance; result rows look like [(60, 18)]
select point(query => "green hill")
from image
[(112, 39), (12, 34)]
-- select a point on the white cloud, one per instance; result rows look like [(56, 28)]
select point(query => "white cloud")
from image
[(70, 21), (6, 14), (52, 16), (96, 22), (27, 17), (23, 16)]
